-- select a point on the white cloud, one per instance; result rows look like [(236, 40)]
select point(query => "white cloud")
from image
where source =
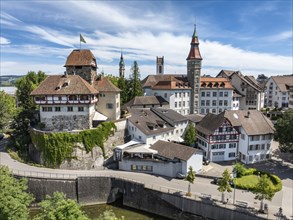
[(285, 35), (4, 40)]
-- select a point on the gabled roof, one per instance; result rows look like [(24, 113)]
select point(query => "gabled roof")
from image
[(103, 84), (81, 58), (146, 100), (196, 118), (172, 151), (252, 121), (282, 81), (227, 73), (148, 122), (64, 85), (169, 115), (166, 82), (210, 123)]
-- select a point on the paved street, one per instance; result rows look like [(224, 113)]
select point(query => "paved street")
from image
[(201, 185)]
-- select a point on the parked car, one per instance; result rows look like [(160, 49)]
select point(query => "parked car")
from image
[(217, 181), (180, 176), (205, 161)]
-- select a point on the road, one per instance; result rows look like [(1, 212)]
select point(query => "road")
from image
[(201, 185)]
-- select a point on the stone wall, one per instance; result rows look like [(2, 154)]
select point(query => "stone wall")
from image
[(68, 122), (85, 72), (95, 190)]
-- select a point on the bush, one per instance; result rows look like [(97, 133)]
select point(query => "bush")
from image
[(240, 169), (250, 171)]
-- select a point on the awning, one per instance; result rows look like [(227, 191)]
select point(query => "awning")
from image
[(130, 143), (144, 149), (99, 117)]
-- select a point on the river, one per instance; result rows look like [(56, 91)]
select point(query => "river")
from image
[(94, 211)]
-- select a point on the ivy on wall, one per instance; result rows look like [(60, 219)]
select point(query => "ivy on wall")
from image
[(58, 146)]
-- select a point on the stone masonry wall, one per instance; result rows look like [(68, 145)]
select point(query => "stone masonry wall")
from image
[(85, 72), (69, 122)]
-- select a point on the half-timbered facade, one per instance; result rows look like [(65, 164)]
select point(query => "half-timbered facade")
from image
[(66, 102), (217, 138)]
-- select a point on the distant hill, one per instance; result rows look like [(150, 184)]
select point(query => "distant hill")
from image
[(9, 80)]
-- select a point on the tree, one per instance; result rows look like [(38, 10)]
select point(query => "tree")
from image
[(135, 88), (284, 128), (113, 79), (239, 169), (224, 184), (7, 109), (58, 207), (25, 115), (263, 190), (122, 85), (14, 201), (190, 178), (190, 134)]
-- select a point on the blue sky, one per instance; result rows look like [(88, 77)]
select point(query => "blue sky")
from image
[(254, 37)]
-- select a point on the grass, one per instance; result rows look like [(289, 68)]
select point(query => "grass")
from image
[(248, 180)]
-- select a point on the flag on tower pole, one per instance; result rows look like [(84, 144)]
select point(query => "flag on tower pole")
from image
[(81, 39)]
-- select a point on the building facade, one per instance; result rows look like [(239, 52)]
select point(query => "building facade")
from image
[(277, 91), (217, 95), (252, 94)]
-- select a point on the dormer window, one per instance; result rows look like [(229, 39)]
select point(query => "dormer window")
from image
[(40, 98), (84, 97), (210, 85)]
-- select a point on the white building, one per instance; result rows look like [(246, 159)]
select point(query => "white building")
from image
[(217, 138), (217, 95), (173, 88), (63, 105), (160, 158), (278, 91), (252, 95), (151, 125)]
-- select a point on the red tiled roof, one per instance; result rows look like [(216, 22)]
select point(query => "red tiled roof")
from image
[(81, 58), (103, 84), (215, 82), (56, 85), (166, 82)]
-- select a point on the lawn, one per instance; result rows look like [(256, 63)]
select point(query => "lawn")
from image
[(247, 180)]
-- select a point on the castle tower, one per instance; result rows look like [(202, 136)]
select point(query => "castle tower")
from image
[(82, 63), (121, 66), (193, 72), (160, 65)]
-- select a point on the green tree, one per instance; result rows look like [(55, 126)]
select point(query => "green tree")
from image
[(113, 79), (14, 201), (263, 190), (224, 184), (190, 178), (58, 207), (190, 134), (135, 87), (27, 109), (284, 128), (7, 109), (239, 169), (122, 85)]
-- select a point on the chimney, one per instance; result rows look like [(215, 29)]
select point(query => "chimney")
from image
[(65, 74), (248, 113)]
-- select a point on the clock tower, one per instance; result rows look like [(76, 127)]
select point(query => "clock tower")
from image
[(193, 72)]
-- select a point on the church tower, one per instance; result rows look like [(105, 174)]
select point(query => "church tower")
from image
[(160, 65), (193, 72), (121, 66)]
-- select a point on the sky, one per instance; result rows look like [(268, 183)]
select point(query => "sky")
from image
[(254, 37)]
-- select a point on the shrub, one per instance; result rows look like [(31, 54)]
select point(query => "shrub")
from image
[(240, 169)]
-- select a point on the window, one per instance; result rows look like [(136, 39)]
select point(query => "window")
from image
[(154, 137), (221, 94), (214, 102), (214, 94), (232, 154), (139, 137), (268, 146), (250, 158), (57, 109), (214, 110), (175, 94), (72, 98), (70, 109), (60, 98), (133, 167), (225, 94), (80, 109), (208, 94), (251, 147), (183, 103), (232, 145), (243, 136), (263, 146), (84, 97), (109, 106), (220, 102), (220, 129), (40, 98), (225, 103), (179, 104), (228, 129), (165, 95), (203, 94), (208, 103)]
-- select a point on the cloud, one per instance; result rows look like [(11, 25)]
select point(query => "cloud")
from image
[(285, 35), (4, 40)]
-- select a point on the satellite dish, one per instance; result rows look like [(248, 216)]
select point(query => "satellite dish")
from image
[(235, 115)]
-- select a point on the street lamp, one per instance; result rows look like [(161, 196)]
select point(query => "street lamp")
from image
[(234, 177)]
